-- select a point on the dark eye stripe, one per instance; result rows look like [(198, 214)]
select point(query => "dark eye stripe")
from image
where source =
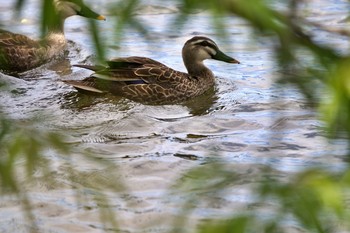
[(205, 43), (211, 48), (197, 40)]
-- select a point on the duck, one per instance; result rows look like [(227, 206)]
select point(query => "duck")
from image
[(19, 53), (145, 80)]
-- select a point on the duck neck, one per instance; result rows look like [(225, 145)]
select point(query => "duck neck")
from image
[(54, 40), (56, 27), (55, 32), (198, 69), (195, 66)]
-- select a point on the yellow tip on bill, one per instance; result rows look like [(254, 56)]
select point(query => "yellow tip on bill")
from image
[(101, 17), (234, 61)]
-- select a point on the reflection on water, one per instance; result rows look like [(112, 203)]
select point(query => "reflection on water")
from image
[(246, 123)]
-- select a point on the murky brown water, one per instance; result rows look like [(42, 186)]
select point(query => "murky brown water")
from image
[(247, 123)]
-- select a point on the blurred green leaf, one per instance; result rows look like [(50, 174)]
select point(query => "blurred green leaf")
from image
[(98, 42), (336, 107), (235, 225)]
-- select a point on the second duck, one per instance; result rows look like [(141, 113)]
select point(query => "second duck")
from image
[(19, 53)]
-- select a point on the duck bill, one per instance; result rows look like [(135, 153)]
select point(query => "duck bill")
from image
[(88, 13), (220, 56)]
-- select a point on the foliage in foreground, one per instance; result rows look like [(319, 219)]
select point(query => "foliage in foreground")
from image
[(311, 201), (315, 199)]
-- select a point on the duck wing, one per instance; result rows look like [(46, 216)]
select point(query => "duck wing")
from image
[(9, 39), (134, 70), (19, 52), (137, 78)]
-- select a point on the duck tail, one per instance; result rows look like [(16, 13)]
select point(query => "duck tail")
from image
[(90, 67), (86, 86)]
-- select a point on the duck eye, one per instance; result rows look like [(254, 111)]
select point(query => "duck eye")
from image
[(204, 43)]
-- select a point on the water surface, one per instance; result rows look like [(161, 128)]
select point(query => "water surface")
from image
[(248, 123)]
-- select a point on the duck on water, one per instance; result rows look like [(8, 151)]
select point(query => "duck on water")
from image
[(148, 81)]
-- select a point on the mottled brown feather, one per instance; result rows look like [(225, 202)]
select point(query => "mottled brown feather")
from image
[(161, 84)]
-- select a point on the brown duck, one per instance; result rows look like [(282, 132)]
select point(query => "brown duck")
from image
[(19, 53), (147, 81)]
